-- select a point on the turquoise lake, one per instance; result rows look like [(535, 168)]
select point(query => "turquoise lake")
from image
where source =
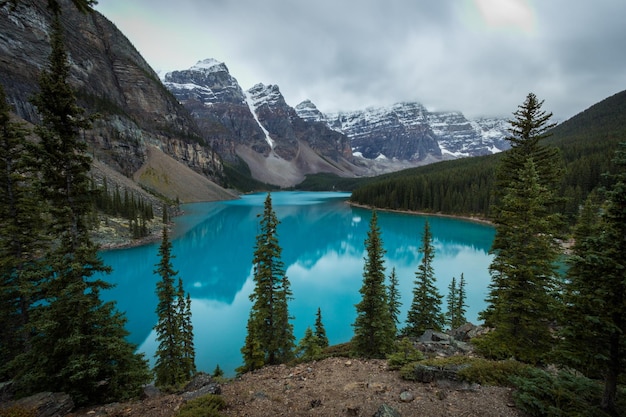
[(322, 238)]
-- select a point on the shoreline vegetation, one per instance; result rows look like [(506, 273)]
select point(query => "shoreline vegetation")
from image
[(474, 219), (110, 238)]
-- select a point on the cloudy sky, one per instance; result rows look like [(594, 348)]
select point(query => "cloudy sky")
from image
[(481, 57)]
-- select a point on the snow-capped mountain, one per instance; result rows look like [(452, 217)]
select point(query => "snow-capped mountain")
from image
[(258, 127), (409, 132), (280, 144)]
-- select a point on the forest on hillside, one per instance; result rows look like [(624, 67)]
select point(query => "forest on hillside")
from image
[(465, 186)]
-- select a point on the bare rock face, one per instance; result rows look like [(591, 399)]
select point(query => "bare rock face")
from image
[(45, 404), (111, 79), (258, 126)]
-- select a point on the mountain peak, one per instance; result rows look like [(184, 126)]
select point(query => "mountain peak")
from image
[(210, 64)]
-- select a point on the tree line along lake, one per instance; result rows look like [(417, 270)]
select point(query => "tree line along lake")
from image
[(322, 240)]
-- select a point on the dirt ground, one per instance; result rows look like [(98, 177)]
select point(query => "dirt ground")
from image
[(332, 387)]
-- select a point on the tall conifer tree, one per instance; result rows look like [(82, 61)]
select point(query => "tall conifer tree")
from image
[(320, 331), (521, 302), (393, 296), (269, 329), (22, 237), (456, 303), (594, 334), (78, 341), (373, 326), (168, 367), (186, 332), (425, 311)]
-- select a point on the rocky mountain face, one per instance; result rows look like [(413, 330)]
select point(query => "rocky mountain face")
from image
[(259, 127), (200, 117), (409, 132), (111, 79)]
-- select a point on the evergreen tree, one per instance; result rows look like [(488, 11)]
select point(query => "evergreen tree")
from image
[(309, 347), (22, 237), (320, 332), (252, 351), (168, 367), (521, 303), (456, 303), (78, 341), (460, 305), (593, 335), (425, 311), (186, 328), (269, 329), (393, 296), (373, 326), (217, 372), (529, 127), (452, 300)]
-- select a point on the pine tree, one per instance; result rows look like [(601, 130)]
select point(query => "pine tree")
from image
[(78, 341), (320, 332), (425, 311), (461, 307), (593, 336), (269, 329), (188, 362), (252, 351), (393, 296), (452, 300), (456, 303), (309, 347), (22, 237), (168, 366), (373, 326), (529, 127), (521, 302)]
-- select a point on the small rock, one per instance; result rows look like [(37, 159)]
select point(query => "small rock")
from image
[(316, 403), (406, 396), (386, 411), (348, 363), (150, 391), (353, 410), (441, 395)]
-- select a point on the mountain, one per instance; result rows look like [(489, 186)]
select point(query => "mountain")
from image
[(204, 121), (258, 127), (137, 113), (587, 144), (409, 132)]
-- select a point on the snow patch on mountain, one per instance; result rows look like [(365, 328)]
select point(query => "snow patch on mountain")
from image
[(252, 104)]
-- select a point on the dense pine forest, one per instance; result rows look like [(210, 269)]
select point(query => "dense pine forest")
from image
[(465, 186)]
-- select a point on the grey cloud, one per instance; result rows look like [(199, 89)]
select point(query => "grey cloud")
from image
[(345, 55)]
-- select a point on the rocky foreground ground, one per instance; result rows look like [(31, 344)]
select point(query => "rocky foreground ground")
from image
[(331, 387)]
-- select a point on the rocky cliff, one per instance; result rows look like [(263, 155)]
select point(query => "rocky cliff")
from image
[(111, 79), (259, 127)]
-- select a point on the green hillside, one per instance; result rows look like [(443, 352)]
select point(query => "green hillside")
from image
[(464, 186)]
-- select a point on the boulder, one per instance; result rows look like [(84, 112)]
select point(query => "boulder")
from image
[(467, 331), (386, 411), (6, 391), (202, 384), (45, 404), (428, 374), (150, 391)]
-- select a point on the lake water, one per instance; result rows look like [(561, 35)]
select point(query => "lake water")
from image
[(323, 252)]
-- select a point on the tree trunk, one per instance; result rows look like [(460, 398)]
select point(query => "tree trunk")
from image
[(610, 380)]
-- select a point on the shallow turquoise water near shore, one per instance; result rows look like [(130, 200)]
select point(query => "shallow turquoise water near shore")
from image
[(323, 249)]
